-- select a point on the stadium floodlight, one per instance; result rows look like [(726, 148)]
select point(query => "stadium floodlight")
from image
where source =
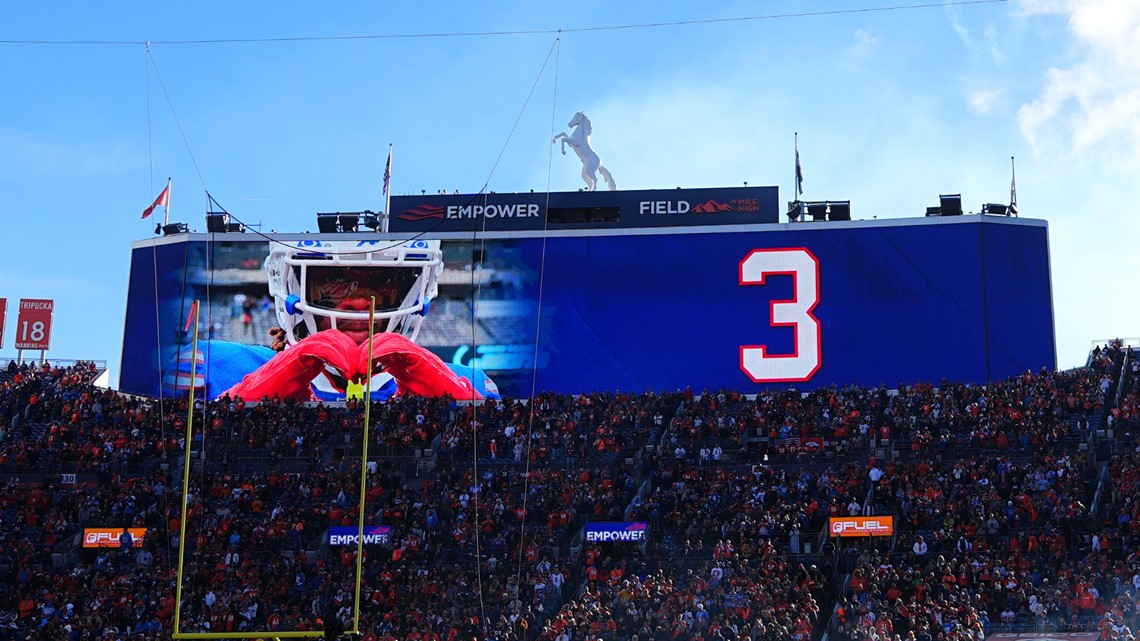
[(995, 209), (371, 220), (795, 210), (326, 223), (175, 228), (219, 223), (818, 211), (951, 204), (933, 211), (216, 223), (839, 210), (349, 222)]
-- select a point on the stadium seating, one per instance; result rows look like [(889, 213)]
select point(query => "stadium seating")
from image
[(1013, 504)]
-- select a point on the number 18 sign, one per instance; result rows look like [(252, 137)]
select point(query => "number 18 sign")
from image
[(33, 325)]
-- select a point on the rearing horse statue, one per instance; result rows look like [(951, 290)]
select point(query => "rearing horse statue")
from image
[(579, 141)]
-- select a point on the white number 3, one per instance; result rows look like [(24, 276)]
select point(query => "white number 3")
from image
[(796, 313)]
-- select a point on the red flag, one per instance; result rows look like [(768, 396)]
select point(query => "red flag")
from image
[(163, 199)]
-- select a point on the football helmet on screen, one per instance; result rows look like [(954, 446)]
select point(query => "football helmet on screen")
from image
[(323, 284)]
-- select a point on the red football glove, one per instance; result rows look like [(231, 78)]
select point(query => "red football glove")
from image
[(290, 373), (416, 370)]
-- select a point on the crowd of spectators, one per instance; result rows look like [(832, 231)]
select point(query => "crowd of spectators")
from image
[(992, 497), (1032, 410), (557, 428)]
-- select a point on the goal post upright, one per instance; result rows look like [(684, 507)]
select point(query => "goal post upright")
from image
[(363, 471), (177, 632), (186, 448)]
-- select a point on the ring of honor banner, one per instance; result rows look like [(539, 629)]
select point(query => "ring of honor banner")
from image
[(33, 325), (745, 307)]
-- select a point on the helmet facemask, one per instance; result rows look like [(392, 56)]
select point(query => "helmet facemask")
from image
[(317, 289)]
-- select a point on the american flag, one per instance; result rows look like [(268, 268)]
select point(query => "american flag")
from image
[(799, 175), (388, 173)]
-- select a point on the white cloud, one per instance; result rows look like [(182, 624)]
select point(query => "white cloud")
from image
[(1091, 106), (858, 55), (993, 39), (983, 101), (953, 13), (865, 40)]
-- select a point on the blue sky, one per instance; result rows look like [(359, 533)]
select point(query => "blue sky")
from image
[(892, 108)]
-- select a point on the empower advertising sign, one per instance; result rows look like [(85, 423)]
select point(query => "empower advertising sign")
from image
[(616, 531), (346, 534), (967, 298), (584, 209), (861, 526)]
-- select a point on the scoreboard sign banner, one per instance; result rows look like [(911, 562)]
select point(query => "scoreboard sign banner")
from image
[(616, 531), (749, 308), (845, 526), (584, 209), (33, 325)]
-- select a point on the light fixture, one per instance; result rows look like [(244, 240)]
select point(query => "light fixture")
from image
[(175, 228), (995, 209), (839, 210), (348, 222), (795, 210), (951, 204), (326, 223), (216, 223), (818, 211)]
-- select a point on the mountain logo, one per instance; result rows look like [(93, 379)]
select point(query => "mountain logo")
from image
[(712, 207), (422, 212)]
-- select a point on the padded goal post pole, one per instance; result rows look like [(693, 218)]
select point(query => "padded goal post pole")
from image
[(186, 471), (363, 471), (177, 632)]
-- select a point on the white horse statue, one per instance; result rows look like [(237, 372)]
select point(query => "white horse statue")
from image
[(579, 141)]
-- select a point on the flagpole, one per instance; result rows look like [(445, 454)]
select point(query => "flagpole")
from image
[(1012, 187), (796, 170), (166, 208)]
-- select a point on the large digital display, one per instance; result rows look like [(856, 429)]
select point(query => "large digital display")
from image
[(739, 307)]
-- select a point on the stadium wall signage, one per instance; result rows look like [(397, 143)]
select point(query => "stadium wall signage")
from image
[(584, 210), (346, 534), (847, 526), (616, 531), (103, 537)]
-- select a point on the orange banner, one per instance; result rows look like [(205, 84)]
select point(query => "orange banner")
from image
[(108, 537), (862, 525)]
